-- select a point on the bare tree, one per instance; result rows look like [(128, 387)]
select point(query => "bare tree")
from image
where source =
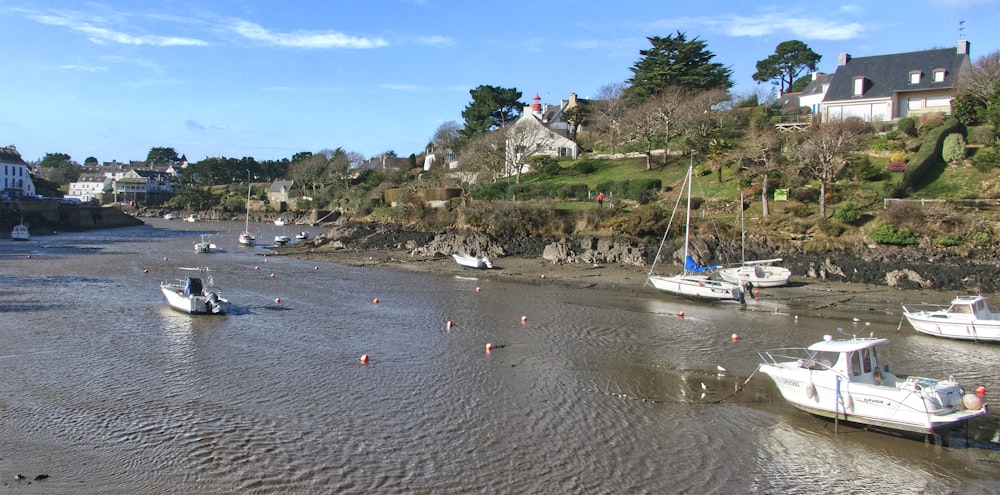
[(525, 139), (642, 124), (484, 153), (609, 110), (760, 153), (824, 148), (980, 81)]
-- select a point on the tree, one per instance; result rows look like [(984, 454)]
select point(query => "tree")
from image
[(576, 117), (444, 142), (59, 168), (824, 148), (789, 59), (522, 141), (760, 155), (642, 124), (609, 109), (90, 161), (675, 61), (492, 108), (161, 155), (484, 152), (979, 92)]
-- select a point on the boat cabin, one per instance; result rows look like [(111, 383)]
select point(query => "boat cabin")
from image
[(193, 286), (856, 360), (973, 306)]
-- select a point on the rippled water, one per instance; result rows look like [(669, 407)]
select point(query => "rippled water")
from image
[(107, 391)]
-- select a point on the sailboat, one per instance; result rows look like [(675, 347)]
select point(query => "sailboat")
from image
[(246, 237), (692, 281), (760, 273)]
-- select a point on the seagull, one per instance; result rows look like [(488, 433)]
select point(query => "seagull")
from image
[(703, 387), (721, 369)]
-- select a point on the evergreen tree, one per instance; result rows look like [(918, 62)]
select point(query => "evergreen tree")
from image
[(790, 59), (492, 108), (675, 61)]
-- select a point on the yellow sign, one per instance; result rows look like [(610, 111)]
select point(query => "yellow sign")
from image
[(781, 194)]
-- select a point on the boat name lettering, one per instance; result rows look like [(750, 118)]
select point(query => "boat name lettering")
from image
[(787, 381)]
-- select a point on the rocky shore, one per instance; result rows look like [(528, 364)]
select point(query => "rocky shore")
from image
[(873, 283)]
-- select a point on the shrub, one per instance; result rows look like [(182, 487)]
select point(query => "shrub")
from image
[(898, 156), (896, 167), (953, 149), (907, 126), (879, 143), (806, 194), (573, 191), (584, 168), (850, 212), (800, 211), (886, 233), (863, 169), (982, 134), (986, 159), (829, 228)]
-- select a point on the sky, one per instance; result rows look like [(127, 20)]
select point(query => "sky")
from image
[(268, 79)]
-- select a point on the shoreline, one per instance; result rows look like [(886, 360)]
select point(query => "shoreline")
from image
[(803, 296)]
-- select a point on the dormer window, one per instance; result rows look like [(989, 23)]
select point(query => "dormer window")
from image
[(939, 75), (915, 77), (859, 86)]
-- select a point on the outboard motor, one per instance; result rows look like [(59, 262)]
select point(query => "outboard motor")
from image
[(748, 289), (213, 303)]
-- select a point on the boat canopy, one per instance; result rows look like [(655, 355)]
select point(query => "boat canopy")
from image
[(692, 266), (846, 345)]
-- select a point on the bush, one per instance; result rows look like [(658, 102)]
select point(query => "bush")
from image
[(898, 156), (986, 159), (907, 126), (863, 169), (982, 134), (953, 149), (886, 233), (849, 213), (829, 228), (584, 168), (896, 167)]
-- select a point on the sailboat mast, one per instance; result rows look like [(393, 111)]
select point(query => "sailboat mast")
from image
[(743, 232), (687, 222)]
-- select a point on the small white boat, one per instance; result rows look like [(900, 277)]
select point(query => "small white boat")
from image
[(844, 380), (280, 221), (20, 233), (469, 261), (760, 273), (967, 318), (169, 216), (206, 245), (692, 282), (302, 235), (195, 294), (281, 240), (247, 238), (192, 218)]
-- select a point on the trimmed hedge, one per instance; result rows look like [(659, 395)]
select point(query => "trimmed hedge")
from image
[(929, 155)]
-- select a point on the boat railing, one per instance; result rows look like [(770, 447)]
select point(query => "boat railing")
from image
[(929, 308), (776, 357)]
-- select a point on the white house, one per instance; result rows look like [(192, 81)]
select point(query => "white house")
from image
[(89, 187), (16, 176), (531, 136)]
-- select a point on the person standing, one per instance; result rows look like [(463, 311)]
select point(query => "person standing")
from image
[(600, 200)]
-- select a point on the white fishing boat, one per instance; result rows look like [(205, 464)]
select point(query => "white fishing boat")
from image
[(967, 318), (169, 216), (302, 235), (246, 237), (469, 261), (280, 221), (692, 282), (206, 245), (20, 232), (281, 240), (845, 381), (192, 218), (195, 294)]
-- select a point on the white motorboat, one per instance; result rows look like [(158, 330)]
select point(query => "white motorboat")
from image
[(844, 380), (280, 221), (246, 237), (692, 282), (169, 216), (469, 261), (195, 294), (281, 240), (760, 273), (302, 235), (967, 318), (206, 245), (192, 218), (20, 233)]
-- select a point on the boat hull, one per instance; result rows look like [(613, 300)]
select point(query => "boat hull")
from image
[(20, 233), (758, 275), (194, 304), (698, 287), (952, 326), (474, 262), (903, 406)]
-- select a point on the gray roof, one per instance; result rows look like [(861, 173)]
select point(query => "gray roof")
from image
[(278, 184), (888, 74)]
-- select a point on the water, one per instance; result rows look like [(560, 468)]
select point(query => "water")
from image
[(107, 391)]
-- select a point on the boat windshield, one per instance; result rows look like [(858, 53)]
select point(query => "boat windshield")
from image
[(820, 360), (960, 308)]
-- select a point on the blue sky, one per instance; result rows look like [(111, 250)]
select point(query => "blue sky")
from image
[(267, 79)]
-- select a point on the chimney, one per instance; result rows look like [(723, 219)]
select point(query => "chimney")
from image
[(572, 100), (843, 58), (963, 47)]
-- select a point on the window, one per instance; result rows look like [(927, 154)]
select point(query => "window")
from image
[(855, 363), (914, 104), (915, 77), (866, 360), (939, 102), (939, 75), (859, 86)]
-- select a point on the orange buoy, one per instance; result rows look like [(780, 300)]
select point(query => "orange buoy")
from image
[(980, 390), (868, 323), (735, 337), (681, 314), (277, 300), (524, 319), (364, 359), (375, 300), (756, 293), (477, 289), (489, 347)]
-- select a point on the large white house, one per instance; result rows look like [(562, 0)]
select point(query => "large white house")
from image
[(539, 132), (15, 175)]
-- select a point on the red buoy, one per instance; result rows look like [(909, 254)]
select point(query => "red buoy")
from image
[(277, 300), (981, 391), (524, 319), (681, 314), (489, 347), (375, 300), (735, 337), (364, 359)]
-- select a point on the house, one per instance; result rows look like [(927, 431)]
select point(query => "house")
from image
[(889, 87), (15, 175), (145, 186), (279, 191), (539, 132), (91, 186)]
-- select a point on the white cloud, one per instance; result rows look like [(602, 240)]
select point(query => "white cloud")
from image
[(435, 40), (83, 68), (401, 87), (303, 39), (771, 23), (101, 35)]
